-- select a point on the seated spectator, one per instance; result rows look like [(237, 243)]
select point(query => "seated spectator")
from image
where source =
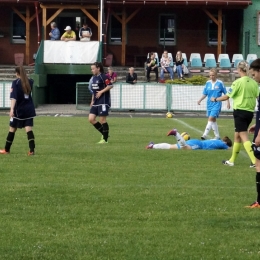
[(85, 33), (69, 35), (55, 32), (151, 66), (165, 64), (112, 76), (179, 65), (131, 77)]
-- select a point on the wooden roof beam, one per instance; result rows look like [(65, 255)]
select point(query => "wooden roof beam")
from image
[(70, 6)]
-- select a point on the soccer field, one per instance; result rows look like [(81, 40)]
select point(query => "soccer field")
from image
[(76, 199)]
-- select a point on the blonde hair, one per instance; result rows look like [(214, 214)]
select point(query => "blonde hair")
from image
[(244, 66), (180, 56), (214, 71)]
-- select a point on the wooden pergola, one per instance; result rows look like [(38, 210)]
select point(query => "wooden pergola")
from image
[(203, 4)]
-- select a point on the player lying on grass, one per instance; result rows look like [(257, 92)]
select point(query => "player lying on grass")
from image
[(193, 144)]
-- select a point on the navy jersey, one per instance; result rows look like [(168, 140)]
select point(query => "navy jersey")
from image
[(98, 84), (257, 120), (24, 107)]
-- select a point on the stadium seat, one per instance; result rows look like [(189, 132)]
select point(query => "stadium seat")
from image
[(223, 56), (209, 56), (196, 65), (225, 65), (184, 56), (210, 63), (251, 57), (195, 55), (237, 57)]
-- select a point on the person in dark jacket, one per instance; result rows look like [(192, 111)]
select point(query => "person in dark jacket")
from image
[(131, 77)]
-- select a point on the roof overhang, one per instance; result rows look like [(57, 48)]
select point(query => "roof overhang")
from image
[(210, 3)]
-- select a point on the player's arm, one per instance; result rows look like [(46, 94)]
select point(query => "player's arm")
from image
[(203, 97), (228, 104), (257, 139), (222, 98), (13, 102)]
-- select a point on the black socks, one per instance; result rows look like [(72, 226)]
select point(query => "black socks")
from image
[(9, 141), (30, 137)]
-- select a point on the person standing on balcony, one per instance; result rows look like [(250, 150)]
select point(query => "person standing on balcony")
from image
[(85, 33), (69, 35), (22, 110), (165, 64), (55, 32), (151, 66)]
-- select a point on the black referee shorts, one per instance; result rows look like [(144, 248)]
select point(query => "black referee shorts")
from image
[(242, 119), (17, 123)]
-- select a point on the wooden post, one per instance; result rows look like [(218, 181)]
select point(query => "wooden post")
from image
[(27, 42), (123, 37), (44, 21), (219, 31)]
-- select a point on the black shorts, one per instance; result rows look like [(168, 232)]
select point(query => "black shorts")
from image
[(242, 119), (256, 150), (101, 110), (17, 123)]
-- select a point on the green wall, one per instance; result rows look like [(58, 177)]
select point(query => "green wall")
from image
[(250, 24)]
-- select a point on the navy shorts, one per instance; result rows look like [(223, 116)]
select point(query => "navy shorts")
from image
[(17, 123), (101, 110), (242, 120)]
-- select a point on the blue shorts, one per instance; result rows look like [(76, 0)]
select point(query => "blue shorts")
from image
[(194, 144), (213, 113), (17, 123), (101, 110)]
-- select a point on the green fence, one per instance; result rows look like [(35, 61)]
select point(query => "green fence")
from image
[(148, 97)]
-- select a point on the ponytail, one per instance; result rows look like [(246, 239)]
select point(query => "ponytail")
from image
[(24, 80)]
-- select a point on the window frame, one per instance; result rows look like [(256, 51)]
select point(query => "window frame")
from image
[(215, 43), (167, 43), (16, 41), (110, 30)]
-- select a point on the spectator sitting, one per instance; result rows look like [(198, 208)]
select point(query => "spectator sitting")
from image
[(112, 76), (165, 64), (69, 35), (85, 33), (55, 32), (179, 65), (151, 66), (131, 77)]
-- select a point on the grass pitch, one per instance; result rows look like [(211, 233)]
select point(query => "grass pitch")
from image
[(76, 199)]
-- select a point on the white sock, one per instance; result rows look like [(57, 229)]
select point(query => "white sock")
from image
[(215, 129), (161, 146), (208, 128), (180, 140)]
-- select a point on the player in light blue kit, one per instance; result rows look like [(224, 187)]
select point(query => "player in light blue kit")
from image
[(214, 88), (192, 144)]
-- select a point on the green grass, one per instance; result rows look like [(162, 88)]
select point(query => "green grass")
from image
[(78, 200)]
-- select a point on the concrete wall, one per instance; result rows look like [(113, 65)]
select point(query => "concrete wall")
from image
[(250, 24)]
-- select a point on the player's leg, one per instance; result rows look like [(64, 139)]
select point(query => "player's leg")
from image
[(213, 118), (105, 127), (208, 126), (31, 139), (169, 69), (248, 146), (180, 141), (9, 140), (92, 119), (166, 146)]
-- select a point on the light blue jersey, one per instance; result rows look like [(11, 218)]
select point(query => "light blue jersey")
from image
[(214, 90), (206, 144)]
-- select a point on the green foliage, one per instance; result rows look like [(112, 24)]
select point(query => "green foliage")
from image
[(194, 80), (76, 199)]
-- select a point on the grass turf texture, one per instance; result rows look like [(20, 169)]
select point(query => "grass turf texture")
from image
[(76, 199)]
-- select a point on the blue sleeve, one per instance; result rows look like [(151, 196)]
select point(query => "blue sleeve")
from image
[(56, 34), (204, 92), (222, 145)]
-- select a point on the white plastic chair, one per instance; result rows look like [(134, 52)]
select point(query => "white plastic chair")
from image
[(156, 57), (251, 57), (223, 56), (237, 57), (195, 55), (209, 56)]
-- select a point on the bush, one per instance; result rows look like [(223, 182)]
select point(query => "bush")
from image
[(194, 80)]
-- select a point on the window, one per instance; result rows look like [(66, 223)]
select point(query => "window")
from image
[(213, 33), (18, 29), (115, 31), (167, 34)]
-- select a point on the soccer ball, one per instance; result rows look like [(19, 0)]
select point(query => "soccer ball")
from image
[(185, 136), (169, 115)]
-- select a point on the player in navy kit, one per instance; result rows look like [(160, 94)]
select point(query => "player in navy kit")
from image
[(100, 102), (193, 144), (22, 110)]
